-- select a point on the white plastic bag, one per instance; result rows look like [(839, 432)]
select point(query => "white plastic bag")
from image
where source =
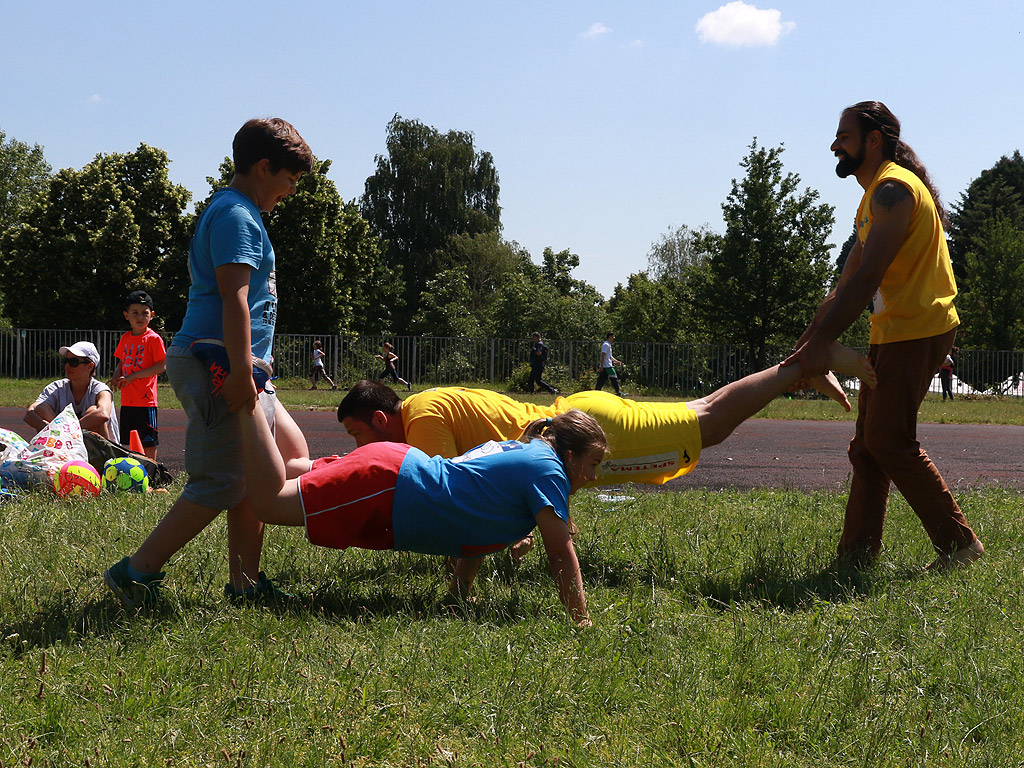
[(36, 463)]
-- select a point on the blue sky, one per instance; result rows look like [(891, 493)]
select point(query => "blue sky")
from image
[(609, 122)]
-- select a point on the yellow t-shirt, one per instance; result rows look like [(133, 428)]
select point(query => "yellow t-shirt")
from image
[(915, 298), (448, 421), (647, 442)]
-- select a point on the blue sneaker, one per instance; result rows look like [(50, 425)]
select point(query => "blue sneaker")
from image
[(213, 354), (264, 591), (144, 592)]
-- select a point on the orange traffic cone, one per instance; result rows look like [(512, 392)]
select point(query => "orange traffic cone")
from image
[(134, 442)]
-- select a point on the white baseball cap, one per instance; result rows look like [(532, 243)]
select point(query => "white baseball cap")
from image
[(82, 349)]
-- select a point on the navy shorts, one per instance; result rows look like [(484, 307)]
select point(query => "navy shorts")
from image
[(142, 419)]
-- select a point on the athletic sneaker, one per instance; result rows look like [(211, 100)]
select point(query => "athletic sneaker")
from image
[(213, 354), (133, 594), (263, 591)]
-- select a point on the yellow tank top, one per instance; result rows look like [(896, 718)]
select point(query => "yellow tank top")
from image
[(915, 298)]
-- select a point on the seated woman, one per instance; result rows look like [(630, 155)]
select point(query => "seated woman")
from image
[(92, 399)]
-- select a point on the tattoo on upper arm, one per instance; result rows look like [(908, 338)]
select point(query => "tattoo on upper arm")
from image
[(890, 193)]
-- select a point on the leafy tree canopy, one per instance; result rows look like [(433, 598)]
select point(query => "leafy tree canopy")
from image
[(115, 226), (997, 193), (762, 286), (429, 187), (24, 174), (990, 312), (677, 251)]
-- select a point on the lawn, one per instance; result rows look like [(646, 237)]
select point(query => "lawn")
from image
[(721, 638)]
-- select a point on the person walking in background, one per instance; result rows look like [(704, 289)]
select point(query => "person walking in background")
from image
[(606, 367), (538, 359), (946, 373), (319, 371), (900, 258), (389, 358), (140, 358)]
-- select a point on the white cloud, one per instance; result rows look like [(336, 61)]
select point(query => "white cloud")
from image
[(596, 30), (95, 99), (738, 24)]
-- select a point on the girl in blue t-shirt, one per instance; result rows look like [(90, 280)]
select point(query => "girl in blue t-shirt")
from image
[(394, 496)]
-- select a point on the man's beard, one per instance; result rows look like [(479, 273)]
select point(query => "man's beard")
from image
[(848, 164)]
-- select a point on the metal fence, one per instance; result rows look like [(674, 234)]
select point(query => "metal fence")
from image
[(687, 369)]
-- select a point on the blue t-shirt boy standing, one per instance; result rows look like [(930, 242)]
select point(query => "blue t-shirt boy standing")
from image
[(228, 324)]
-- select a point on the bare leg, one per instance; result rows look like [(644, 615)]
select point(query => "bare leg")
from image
[(245, 544), (724, 410), (274, 498), (182, 523), (829, 386), (466, 569), (291, 443)]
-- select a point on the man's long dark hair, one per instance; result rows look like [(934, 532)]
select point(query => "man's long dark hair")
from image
[(875, 116)]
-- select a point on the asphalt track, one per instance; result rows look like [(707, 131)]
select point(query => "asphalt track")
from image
[(761, 453)]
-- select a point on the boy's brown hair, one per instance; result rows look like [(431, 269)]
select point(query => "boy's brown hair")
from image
[(274, 139)]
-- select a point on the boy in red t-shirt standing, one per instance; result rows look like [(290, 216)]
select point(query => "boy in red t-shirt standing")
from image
[(141, 358)]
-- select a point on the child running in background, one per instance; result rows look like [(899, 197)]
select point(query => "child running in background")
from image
[(393, 496), (319, 372), (388, 357), (216, 366), (140, 358)]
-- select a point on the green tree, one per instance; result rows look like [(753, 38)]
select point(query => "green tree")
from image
[(24, 174), (762, 286), (548, 299), (654, 305), (997, 193), (444, 307), (95, 234), (858, 334), (484, 262), (648, 310), (429, 187), (678, 251), (990, 312)]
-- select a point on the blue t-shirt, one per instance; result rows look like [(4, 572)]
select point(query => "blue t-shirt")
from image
[(230, 231), (479, 502)]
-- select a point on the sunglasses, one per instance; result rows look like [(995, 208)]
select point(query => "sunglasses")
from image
[(74, 362)]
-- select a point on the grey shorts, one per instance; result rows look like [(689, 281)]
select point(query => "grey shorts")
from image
[(213, 437)]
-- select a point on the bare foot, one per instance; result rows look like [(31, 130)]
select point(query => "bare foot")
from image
[(520, 548), (829, 386), (845, 360)]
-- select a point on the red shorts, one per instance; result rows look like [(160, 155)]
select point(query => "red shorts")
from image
[(347, 500)]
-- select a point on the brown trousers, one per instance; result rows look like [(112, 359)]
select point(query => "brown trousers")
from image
[(885, 447)]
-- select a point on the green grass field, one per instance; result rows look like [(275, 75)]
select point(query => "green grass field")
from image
[(721, 638)]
